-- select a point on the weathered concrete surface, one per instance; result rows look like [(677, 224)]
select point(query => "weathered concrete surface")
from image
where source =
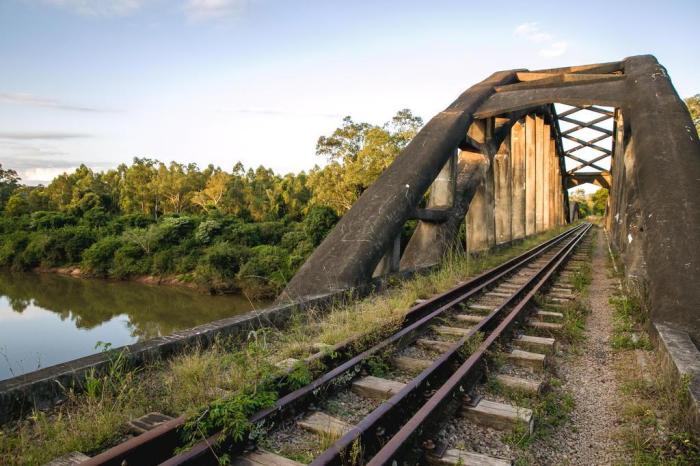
[(349, 254), (656, 196), (425, 250), (682, 358)]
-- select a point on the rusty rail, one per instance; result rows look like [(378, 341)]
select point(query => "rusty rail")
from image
[(158, 445)]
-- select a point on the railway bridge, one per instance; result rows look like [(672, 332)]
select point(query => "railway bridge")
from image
[(496, 165), (500, 159)]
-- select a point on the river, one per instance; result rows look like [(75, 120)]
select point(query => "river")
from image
[(47, 319)]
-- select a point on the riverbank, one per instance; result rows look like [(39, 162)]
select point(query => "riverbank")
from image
[(48, 318), (171, 280), (91, 422)]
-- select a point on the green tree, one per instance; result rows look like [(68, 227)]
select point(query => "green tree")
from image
[(9, 182), (693, 104), (357, 153), (17, 204), (599, 201)]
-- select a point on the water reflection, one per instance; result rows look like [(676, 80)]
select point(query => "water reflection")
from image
[(46, 319)]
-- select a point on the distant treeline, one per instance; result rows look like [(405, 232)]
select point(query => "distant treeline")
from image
[(222, 230)]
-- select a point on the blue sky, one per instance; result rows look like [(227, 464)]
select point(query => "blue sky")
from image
[(218, 81)]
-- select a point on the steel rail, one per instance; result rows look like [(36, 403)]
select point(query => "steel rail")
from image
[(203, 453), (467, 375), (390, 415), (160, 443)]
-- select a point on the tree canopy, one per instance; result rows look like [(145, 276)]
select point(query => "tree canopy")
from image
[(244, 228)]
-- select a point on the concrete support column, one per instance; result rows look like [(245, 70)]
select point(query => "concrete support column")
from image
[(552, 182), (480, 216), (503, 184), (517, 158), (442, 196), (546, 177), (389, 263), (530, 175), (539, 172)]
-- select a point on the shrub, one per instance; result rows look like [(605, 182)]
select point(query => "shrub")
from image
[(46, 220), (222, 260), (73, 241), (98, 259), (164, 262), (12, 246), (124, 222), (171, 230), (207, 230), (41, 249), (318, 222), (267, 270), (129, 260)]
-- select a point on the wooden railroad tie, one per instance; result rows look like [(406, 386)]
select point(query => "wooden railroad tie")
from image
[(454, 457), (411, 364), (533, 362), (434, 345), (450, 331), (263, 458), (469, 318), (323, 424), (376, 388), (483, 308), (499, 416), (69, 459), (537, 344), (518, 383), (548, 316)]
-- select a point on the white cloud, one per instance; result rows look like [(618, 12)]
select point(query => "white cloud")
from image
[(35, 101), (555, 49), (99, 7), (532, 32), (202, 10), (46, 135)]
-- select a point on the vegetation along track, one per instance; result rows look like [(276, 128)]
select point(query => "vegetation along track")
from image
[(372, 407)]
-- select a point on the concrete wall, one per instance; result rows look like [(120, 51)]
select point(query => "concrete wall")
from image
[(654, 215)]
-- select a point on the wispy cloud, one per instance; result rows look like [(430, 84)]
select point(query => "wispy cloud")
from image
[(37, 162), (555, 49), (279, 112), (41, 135), (104, 8), (36, 101), (532, 32), (202, 10)]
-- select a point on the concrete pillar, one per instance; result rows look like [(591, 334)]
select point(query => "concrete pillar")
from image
[(552, 182), (489, 192), (389, 263), (442, 195), (477, 218), (546, 177), (530, 175), (442, 191), (539, 172), (502, 189), (517, 158), (480, 216)]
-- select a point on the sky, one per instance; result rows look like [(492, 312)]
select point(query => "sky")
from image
[(258, 81)]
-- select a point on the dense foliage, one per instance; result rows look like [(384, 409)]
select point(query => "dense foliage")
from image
[(591, 204), (247, 229), (693, 104)]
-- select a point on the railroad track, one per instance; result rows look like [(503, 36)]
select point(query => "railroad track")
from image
[(387, 404)]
